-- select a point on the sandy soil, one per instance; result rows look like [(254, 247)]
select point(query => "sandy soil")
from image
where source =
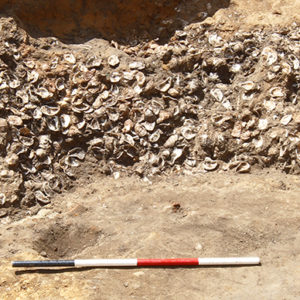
[(205, 215)]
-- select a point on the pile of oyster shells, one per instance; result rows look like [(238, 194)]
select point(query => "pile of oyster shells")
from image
[(205, 101)]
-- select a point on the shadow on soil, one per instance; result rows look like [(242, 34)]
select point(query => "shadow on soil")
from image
[(70, 270), (126, 22)]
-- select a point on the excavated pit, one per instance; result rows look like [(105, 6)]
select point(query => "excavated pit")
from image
[(122, 21), (64, 240)]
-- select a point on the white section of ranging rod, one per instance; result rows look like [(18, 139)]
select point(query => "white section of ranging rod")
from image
[(105, 262), (228, 261)]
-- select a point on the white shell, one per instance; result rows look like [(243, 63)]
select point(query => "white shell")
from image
[(248, 85), (149, 126), (53, 124), (22, 94), (41, 197), (270, 105), (171, 141), (258, 143), (37, 113), (215, 40), (129, 75), (263, 124), (70, 58), (286, 119), (137, 65), (209, 164), (43, 92), (217, 94), (60, 84), (113, 60), (50, 110), (236, 68), (140, 78), (187, 133), (77, 153), (165, 85), (155, 136), (177, 153), (295, 61), (115, 77), (15, 121), (33, 76), (14, 83), (277, 92), (270, 55), (2, 199), (243, 167), (29, 64)]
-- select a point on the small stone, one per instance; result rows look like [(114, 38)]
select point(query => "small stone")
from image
[(198, 246)]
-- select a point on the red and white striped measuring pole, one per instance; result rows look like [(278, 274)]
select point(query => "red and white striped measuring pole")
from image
[(136, 262)]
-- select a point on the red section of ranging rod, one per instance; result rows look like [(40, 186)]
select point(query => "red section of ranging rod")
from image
[(168, 262)]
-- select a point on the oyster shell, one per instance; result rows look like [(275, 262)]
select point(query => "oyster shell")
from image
[(209, 164), (70, 58), (113, 60)]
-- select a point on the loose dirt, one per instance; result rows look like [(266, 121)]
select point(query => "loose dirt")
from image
[(200, 216)]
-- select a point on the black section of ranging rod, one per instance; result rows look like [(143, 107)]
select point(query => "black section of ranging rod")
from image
[(43, 263)]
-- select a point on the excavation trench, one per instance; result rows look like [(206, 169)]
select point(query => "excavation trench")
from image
[(122, 21)]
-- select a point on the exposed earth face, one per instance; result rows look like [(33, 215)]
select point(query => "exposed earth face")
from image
[(131, 20), (150, 129)]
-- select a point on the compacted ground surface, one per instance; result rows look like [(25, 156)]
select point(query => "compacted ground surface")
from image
[(153, 210), (179, 216)]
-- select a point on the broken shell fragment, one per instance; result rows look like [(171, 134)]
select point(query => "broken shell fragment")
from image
[(209, 164), (77, 153), (60, 84), (2, 199), (154, 137), (115, 77), (171, 141), (270, 55), (248, 85), (217, 94), (165, 85), (53, 124), (276, 92), (263, 124), (187, 133), (140, 78), (65, 120), (137, 65), (177, 153), (15, 121), (50, 110), (286, 119), (140, 130), (43, 93), (113, 60), (243, 167), (41, 198), (70, 58)]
